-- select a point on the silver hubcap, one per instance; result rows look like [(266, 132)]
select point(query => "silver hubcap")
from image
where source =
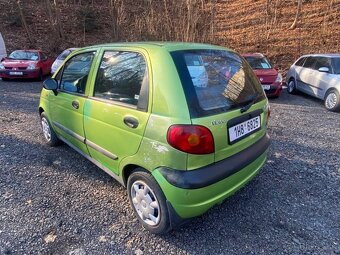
[(46, 129), (331, 100), (291, 86), (145, 203)]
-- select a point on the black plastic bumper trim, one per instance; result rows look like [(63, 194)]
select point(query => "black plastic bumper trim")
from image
[(205, 176)]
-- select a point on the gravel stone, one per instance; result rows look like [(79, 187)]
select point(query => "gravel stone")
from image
[(291, 207)]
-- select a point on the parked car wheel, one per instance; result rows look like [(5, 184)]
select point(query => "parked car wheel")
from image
[(332, 101), (148, 202), (48, 132), (291, 87), (41, 75)]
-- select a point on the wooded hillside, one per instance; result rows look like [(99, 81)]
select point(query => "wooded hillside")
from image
[(281, 29)]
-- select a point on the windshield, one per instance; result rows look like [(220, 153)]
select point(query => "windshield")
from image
[(336, 65), (24, 55), (258, 63), (221, 81)]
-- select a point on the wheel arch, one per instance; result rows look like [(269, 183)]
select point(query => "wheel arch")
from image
[(128, 169), (41, 110), (330, 89)]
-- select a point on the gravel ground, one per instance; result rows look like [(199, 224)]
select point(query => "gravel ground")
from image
[(53, 201)]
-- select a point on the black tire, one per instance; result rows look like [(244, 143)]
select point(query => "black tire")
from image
[(52, 139), (41, 75), (291, 86), (332, 100), (5, 79), (138, 178)]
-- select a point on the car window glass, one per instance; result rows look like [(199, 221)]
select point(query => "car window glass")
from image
[(336, 65), (309, 62), (121, 78), (258, 63), (323, 62), (75, 73), (300, 62), (43, 56)]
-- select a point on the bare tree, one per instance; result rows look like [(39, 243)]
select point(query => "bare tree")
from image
[(297, 16), (23, 22)]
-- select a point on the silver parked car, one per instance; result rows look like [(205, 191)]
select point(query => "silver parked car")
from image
[(317, 75), (60, 59)]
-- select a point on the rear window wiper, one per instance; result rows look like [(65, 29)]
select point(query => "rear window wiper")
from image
[(252, 100)]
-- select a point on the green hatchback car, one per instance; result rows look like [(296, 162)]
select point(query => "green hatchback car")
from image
[(182, 126)]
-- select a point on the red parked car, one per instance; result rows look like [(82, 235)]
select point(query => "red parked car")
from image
[(270, 79), (25, 64)]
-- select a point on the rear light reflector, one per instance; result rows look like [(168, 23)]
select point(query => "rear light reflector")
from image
[(191, 139)]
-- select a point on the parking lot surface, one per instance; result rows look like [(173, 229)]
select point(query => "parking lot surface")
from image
[(54, 201)]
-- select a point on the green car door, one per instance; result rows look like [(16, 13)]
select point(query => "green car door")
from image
[(67, 106), (116, 113)]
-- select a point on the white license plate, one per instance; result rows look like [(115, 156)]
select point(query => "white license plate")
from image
[(16, 73), (240, 130), (266, 87)]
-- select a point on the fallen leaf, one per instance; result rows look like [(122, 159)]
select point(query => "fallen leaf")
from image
[(102, 239), (50, 238)]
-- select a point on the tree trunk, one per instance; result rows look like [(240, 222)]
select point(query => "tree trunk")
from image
[(23, 22), (299, 7)]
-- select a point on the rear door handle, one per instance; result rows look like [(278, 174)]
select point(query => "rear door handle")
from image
[(131, 122), (75, 104)]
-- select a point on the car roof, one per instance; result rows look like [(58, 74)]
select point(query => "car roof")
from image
[(329, 55), (169, 46), (257, 55)]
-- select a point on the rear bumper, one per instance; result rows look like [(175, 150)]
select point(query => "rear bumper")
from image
[(25, 74), (193, 192)]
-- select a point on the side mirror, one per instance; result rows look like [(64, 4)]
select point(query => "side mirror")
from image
[(51, 84), (323, 69)]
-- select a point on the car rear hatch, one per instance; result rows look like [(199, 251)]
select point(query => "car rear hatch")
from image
[(232, 104)]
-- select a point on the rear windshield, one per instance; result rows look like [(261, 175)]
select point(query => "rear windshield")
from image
[(336, 65), (258, 63), (216, 81)]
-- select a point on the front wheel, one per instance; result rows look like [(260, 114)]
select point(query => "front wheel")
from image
[(148, 202), (291, 88), (48, 132), (332, 101)]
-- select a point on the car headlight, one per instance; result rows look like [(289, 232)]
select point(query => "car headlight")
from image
[(31, 67), (2, 67), (279, 78)]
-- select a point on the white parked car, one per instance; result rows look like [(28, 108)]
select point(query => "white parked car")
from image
[(59, 60), (3, 52), (317, 75)]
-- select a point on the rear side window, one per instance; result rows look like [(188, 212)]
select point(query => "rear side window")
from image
[(310, 61), (122, 77), (64, 55), (220, 82), (300, 61)]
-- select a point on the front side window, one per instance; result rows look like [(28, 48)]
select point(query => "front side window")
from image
[(336, 65), (43, 56), (323, 62), (218, 82), (309, 63), (75, 73), (122, 77), (258, 63)]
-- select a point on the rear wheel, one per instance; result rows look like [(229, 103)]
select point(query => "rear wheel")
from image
[(5, 79), (332, 101), (291, 87), (48, 132), (148, 202)]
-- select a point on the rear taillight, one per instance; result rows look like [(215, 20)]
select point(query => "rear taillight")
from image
[(191, 139)]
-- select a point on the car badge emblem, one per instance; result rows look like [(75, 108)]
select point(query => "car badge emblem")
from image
[(261, 79)]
